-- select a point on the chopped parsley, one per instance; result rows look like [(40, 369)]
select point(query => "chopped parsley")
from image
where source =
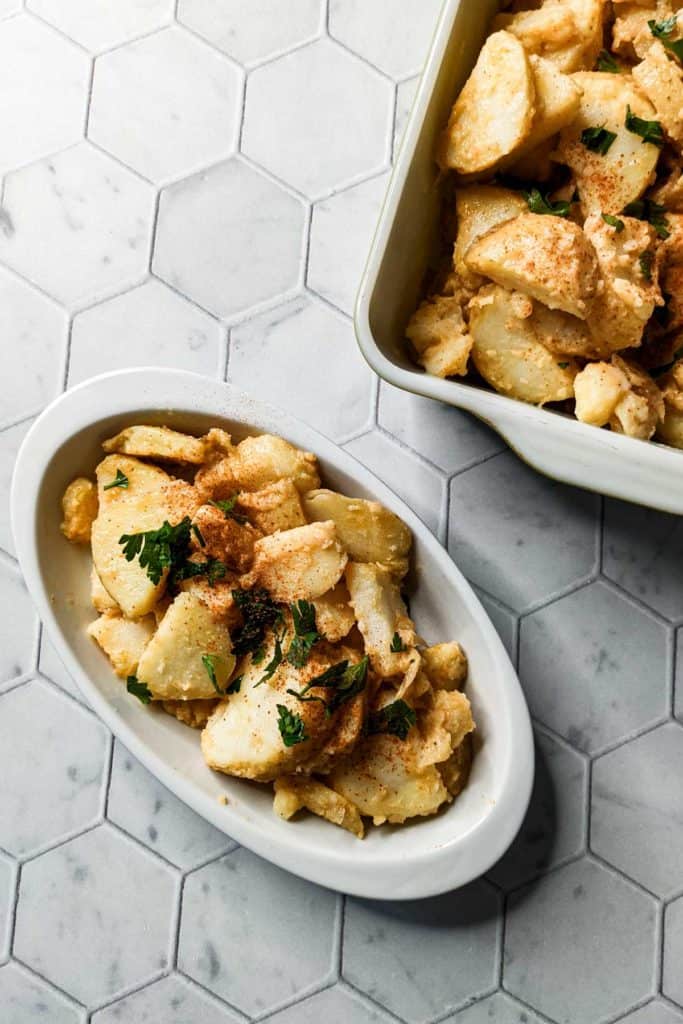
[(645, 261), (235, 685), (598, 140), (614, 222), (395, 719), (606, 62), (165, 548), (305, 633), (291, 726), (663, 30), (344, 680), (212, 568), (647, 209), (120, 480), (209, 663), (538, 203), (397, 644), (227, 507), (274, 663), (649, 131), (259, 613), (138, 689), (563, 366), (198, 534)]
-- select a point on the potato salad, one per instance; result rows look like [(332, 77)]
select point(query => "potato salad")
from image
[(561, 280), (236, 593)]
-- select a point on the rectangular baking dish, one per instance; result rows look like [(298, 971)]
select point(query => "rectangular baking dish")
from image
[(555, 444)]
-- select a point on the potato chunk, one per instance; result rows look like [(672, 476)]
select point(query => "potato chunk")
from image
[(194, 713), (598, 389), (670, 430), (625, 392), (381, 615), (79, 508), (157, 443), (445, 665), (275, 507), (367, 530), (546, 257), (302, 563), (551, 31), (172, 665), (334, 616), (508, 354), (292, 793), (122, 640), (224, 538), (480, 208), (608, 182), (661, 79), (494, 112), (439, 335), (102, 601), (558, 98), (255, 463)]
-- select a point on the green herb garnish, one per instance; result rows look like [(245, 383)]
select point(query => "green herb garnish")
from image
[(227, 507), (346, 681), (305, 633), (138, 689), (160, 549), (274, 663), (606, 62), (212, 568), (614, 222), (291, 726), (395, 719), (209, 663), (663, 30), (120, 480), (198, 534), (397, 644), (235, 685), (259, 613), (645, 261), (563, 366), (538, 203), (598, 140), (649, 131), (647, 209)]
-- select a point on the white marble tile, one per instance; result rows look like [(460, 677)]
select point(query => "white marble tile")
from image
[(167, 105), (18, 626), (10, 440), (95, 915), (342, 227), (145, 809), (229, 907), (33, 329), (229, 238), (25, 999), (295, 357), (420, 485), (7, 883), (53, 757), (9, 7), (405, 94), (672, 980), (44, 87), (455, 935), (391, 34), (323, 138), (496, 1009), (655, 1012), (51, 666), (503, 619), (80, 225), (173, 1000), (100, 24), (580, 944), (333, 1006), (252, 30), (148, 326)]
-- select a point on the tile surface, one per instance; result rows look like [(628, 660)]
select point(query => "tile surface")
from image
[(208, 206)]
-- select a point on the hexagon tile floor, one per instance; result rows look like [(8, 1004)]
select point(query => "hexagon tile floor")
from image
[(194, 183)]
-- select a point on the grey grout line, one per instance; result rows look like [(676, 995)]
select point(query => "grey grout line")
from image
[(71, 1000)]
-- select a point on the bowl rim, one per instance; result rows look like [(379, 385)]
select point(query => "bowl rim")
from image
[(418, 874)]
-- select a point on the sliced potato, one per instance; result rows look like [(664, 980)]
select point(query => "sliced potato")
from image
[(172, 665), (494, 112), (480, 208), (194, 713), (381, 616), (275, 507), (670, 429), (661, 79), (550, 31), (561, 333), (79, 508), (102, 601), (122, 640), (445, 665), (439, 335), (303, 563), (626, 392), (546, 257), (558, 98), (598, 389), (142, 506), (157, 443), (607, 183), (334, 616), (293, 792), (507, 353), (255, 463), (367, 530)]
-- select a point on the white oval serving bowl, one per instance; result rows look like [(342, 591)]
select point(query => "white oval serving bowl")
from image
[(430, 856)]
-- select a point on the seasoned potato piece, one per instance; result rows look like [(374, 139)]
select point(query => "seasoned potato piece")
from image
[(256, 462), (670, 429), (292, 793), (392, 779), (546, 257), (507, 353), (367, 530), (494, 111), (608, 182), (561, 333), (381, 615), (172, 665), (661, 79), (333, 613), (224, 538), (598, 389), (79, 508), (143, 505), (101, 599), (157, 443), (534, 164), (639, 406), (194, 713), (669, 192), (275, 507), (551, 31), (122, 640), (456, 770), (445, 665), (631, 35), (439, 335), (303, 563), (217, 597), (558, 98), (480, 208)]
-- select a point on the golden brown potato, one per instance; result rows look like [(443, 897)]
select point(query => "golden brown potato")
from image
[(622, 394), (255, 463), (122, 640), (194, 713), (275, 507), (598, 389), (456, 770), (79, 508), (157, 443), (661, 80), (567, 33), (225, 538), (381, 616), (557, 103), (480, 208), (445, 666), (303, 563), (439, 336), (292, 793), (334, 616), (102, 601)]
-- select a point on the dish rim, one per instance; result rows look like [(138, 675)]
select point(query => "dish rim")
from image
[(420, 874)]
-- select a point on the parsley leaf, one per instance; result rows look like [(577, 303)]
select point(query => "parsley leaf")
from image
[(138, 689), (158, 549), (663, 30), (645, 262), (209, 663), (614, 222), (647, 209), (227, 507), (649, 131), (274, 663), (212, 568), (606, 62), (598, 140), (235, 685), (397, 644), (291, 726), (120, 480), (198, 534), (259, 613), (538, 203), (305, 633), (346, 681), (395, 719)]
